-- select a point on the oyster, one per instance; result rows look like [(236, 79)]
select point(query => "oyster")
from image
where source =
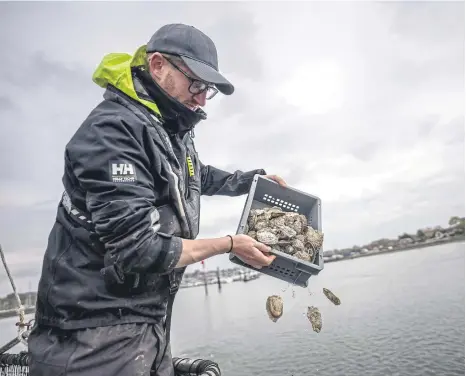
[(314, 238), (301, 238), (288, 249), (331, 296), (297, 226), (252, 234), (303, 255), (252, 219), (274, 307), (267, 237), (277, 222), (315, 318), (298, 244), (275, 212), (259, 225), (284, 231)]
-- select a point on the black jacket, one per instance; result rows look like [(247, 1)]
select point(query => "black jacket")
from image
[(132, 192)]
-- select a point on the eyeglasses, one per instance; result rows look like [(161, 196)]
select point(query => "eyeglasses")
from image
[(196, 86)]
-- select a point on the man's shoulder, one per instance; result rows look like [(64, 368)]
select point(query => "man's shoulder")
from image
[(114, 112), (112, 117)]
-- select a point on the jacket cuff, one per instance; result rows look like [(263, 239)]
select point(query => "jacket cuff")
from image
[(172, 247)]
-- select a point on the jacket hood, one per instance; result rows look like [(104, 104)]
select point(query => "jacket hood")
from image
[(116, 69), (129, 74)]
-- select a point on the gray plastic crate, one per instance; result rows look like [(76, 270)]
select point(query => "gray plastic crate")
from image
[(267, 193)]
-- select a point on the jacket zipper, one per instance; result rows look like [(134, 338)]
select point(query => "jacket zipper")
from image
[(169, 147)]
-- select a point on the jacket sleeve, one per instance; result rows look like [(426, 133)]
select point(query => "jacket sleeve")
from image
[(114, 171), (222, 183)]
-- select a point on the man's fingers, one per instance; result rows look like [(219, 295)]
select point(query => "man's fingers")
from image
[(271, 258), (278, 179), (265, 260), (262, 247)]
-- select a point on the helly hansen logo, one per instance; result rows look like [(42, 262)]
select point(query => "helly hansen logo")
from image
[(122, 169), (122, 172)]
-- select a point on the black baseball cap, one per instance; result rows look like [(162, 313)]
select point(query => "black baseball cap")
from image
[(196, 49)]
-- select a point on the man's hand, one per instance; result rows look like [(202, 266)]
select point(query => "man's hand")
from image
[(277, 179), (251, 251)]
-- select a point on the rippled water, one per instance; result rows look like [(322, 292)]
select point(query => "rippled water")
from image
[(401, 314)]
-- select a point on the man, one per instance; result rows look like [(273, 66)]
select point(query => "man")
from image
[(125, 229)]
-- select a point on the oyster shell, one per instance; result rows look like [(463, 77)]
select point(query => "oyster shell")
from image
[(297, 226), (302, 255), (315, 318), (252, 234), (301, 238), (298, 245), (257, 211), (267, 237), (291, 217), (314, 238), (287, 232), (331, 296), (277, 222), (274, 307), (275, 212), (259, 225), (252, 219), (289, 249)]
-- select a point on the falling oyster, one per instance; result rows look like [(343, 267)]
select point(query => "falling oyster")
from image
[(274, 307), (331, 296), (315, 318)]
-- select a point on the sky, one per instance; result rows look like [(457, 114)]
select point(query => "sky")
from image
[(359, 103)]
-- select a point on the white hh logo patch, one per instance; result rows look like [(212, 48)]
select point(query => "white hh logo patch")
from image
[(123, 172)]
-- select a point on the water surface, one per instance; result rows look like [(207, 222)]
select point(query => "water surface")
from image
[(401, 314)]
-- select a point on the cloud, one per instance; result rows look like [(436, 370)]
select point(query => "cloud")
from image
[(6, 104), (358, 103)]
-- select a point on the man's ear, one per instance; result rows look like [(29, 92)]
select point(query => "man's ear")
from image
[(156, 64)]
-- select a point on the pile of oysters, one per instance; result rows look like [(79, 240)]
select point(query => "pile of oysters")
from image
[(274, 307), (288, 232)]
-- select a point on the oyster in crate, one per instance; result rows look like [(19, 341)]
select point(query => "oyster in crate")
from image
[(274, 307), (287, 232), (331, 296), (266, 236), (315, 318)]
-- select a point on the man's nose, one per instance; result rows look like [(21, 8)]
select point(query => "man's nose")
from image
[(200, 98)]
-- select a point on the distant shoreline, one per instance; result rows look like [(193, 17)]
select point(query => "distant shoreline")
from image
[(408, 247), (14, 312), (450, 239)]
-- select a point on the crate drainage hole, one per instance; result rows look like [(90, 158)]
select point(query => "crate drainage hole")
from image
[(279, 202), (283, 271)]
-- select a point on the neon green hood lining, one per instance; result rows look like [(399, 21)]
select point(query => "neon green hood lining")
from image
[(115, 69)]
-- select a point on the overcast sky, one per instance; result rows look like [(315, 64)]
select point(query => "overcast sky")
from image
[(359, 103)]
